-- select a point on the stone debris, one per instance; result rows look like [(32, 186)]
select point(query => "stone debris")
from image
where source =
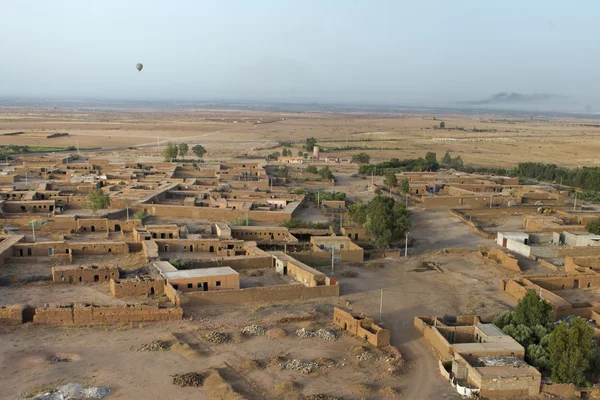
[(74, 391), (218, 337), (254, 330), (305, 367), (322, 397), (157, 345), (326, 334), (366, 356), (190, 379)]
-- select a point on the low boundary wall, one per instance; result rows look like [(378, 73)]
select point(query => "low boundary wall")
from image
[(258, 294), (73, 314)]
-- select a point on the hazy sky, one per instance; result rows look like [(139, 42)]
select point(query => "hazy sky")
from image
[(401, 52)]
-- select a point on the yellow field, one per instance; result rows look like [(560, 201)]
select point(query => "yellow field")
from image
[(505, 141)]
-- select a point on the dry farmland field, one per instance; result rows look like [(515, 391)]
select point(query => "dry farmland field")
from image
[(480, 140)]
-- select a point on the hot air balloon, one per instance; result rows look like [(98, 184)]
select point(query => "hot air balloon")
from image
[(139, 66)]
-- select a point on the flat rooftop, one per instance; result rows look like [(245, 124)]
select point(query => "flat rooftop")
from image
[(199, 273)]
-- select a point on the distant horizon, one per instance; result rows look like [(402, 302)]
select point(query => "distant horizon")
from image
[(267, 105)]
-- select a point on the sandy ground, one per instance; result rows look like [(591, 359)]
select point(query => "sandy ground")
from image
[(106, 355)]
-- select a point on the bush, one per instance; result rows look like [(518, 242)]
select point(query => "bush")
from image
[(181, 263)]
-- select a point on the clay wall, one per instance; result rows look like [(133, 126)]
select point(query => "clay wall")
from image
[(150, 249), (219, 247), (237, 263), (224, 282), (34, 206), (46, 249), (579, 281), (260, 294), (562, 390), (434, 338), (172, 294), (84, 273), (356, 234), (506, 260), (211, 213), (364, 328), (70, 314), (507, 386), (136, 287), (565, 251), (11, 315)]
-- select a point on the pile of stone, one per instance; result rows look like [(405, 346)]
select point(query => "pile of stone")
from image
[(157, 345), (191, 379), (74, 391), (327, 334), (254, 330), (322, 397), (366, 356), (305, 367), (218, 337)]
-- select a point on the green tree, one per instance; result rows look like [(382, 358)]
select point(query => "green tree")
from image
[(405, 186), (532, 310), (361, 158), (431, 163), (138, 215), (442, 125), (447, 160), (312, 169), (386, 221), (310, 143), (593, 227), (300, 153), (199, 150), (284, 152), (170, 152), (97, 200), (326, 173), (358, 213), (183, 149), (390, 180), (571, 350)]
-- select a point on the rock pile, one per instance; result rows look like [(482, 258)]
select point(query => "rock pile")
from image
[(157, 345), (191, 379), (254, 330), (366, 356), (305, 367), (327, 334), (218, 337)]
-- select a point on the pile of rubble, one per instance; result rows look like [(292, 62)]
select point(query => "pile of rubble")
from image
[(218, 337), (322, 397), (157, 345), (74, 391), (254, 330), (327, 334), (366, 356), (305, 367), (191, 379)]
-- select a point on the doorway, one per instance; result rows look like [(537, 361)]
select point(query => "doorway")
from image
[(205, 286), (191, 248), (117, 228)]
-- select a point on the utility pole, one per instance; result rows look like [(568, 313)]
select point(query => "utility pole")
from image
[(575, 204), (332, 258), (406, 246), (33, 229), (26, 181), (381, 306), (491, 197), (78, 153), (318, 199), (127, 206)]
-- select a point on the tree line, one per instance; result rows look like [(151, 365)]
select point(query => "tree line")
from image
[(395, 165), (173, 150)]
